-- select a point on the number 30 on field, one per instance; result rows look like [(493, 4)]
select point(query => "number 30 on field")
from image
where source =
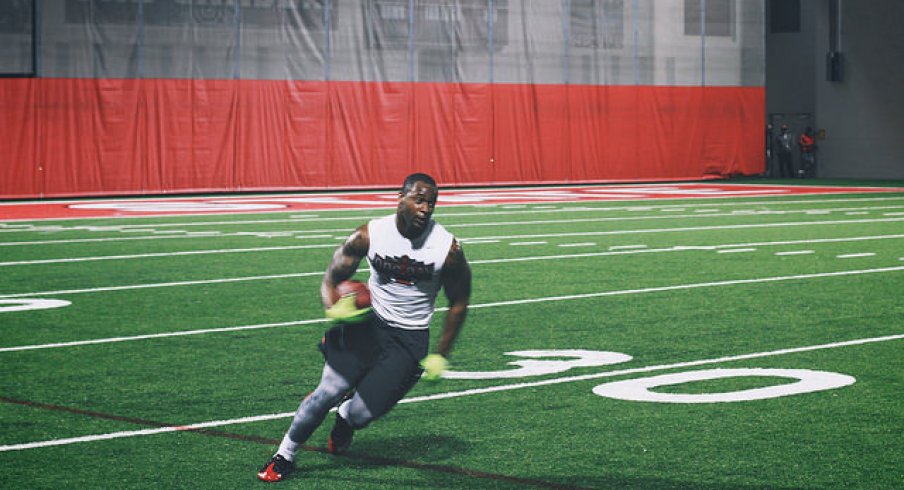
[(640, 389)]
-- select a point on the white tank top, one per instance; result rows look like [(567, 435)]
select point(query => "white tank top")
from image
[(405, 274)]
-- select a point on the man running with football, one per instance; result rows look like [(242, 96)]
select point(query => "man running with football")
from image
[(375, 355)]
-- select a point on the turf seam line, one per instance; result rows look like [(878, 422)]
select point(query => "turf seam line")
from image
[(455, 470)]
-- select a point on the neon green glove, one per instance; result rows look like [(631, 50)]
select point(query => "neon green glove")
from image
[(344, 311), (434, 365)]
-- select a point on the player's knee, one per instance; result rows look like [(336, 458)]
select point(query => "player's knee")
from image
[(332, 388), (356, 413)]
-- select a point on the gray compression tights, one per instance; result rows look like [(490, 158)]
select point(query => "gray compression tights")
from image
[(314, 407)]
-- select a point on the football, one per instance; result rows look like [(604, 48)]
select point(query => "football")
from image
[(358, 289)]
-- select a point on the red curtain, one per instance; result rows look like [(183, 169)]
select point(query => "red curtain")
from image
[(71, 137)]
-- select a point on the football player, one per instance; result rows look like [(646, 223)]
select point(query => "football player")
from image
[(372, 359)]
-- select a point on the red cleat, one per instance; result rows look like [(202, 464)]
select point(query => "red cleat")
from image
[(340, 437), (276, 469)]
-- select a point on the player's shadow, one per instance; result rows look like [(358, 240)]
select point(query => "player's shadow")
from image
[(428, 452), (398, 452), (402, 450)]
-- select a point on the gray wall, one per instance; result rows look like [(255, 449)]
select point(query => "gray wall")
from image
[(863, 115)]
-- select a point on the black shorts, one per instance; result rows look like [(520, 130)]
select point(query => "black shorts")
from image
[(381, 362)]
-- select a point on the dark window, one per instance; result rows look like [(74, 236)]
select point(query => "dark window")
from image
[(596, 23), (17, 38), (719, 17), (784, 16)]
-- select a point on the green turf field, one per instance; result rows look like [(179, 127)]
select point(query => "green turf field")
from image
[(211, 322)]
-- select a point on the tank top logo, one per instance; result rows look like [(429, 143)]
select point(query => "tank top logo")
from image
[(403, 270)]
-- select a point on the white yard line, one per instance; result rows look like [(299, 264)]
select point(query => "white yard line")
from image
[(163, 254), (491, 224), (632, 250), (160, 285), (684, 248), (113, 239), (693, 228), (679, 287), (627, 247), (455, 394), (647, 369), (150, 227), (471, 240), (623, 292), (705, 203), (113, 340), (476, 241)]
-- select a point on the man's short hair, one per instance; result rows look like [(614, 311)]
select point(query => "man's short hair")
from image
[(418, 177)]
